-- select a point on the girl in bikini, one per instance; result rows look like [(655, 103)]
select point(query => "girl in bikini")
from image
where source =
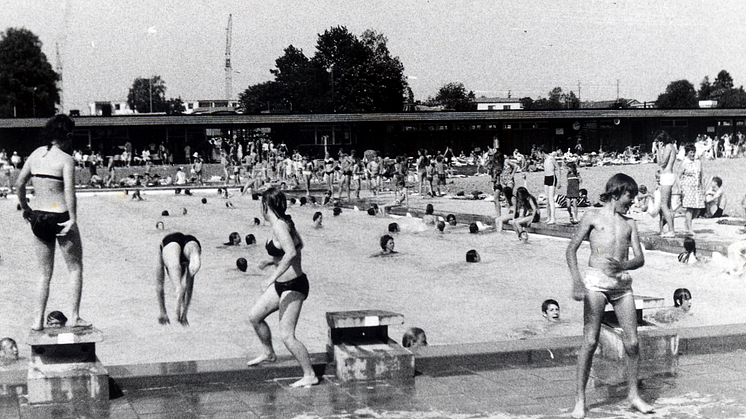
[(286, 287), (55, 218)]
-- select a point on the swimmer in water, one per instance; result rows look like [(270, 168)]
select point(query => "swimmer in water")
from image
[(8, 350), (429, 217), (472, 256), (682, 304), (414, 337), (550, 310), (54, 220), (607, 280), (286, 288), (179, 256), (387, 246), (318, 217)]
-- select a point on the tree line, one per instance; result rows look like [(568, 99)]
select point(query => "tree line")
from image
[(345, 73)]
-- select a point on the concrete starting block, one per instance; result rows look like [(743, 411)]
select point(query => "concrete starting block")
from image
[(64, 369), (361, 349), (659, 348)]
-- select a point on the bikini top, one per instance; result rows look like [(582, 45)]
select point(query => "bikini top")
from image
[(272, 250), (45, 176)]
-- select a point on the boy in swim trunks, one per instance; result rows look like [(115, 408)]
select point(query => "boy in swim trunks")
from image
[(607, 281)]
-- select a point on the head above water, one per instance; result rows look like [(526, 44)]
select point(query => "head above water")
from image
[(56, 319), (472, 256), (234, 239), (550, 309), (441, 226), (413, 338), (385, 240), (8, 349), (451, 219), (690, 245), (336, 211), (617, 185), (242, 264), (250, 239), (394, 228), (473, 228), (681, 298), (303, 200), (204, 200), (429, 209), (318, 216)]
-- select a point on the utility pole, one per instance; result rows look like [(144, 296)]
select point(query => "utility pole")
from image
[(150, 84), (578, 90)]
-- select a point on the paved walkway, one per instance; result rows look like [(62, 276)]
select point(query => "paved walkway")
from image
[(477, 386)]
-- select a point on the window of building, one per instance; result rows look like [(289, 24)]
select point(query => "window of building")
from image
[(506, 107), (507, 126)]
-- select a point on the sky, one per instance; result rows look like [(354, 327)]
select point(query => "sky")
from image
[(599, 49)]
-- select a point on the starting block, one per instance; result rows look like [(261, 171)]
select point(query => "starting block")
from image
[(659, 348), (361, 349), (64, 368)]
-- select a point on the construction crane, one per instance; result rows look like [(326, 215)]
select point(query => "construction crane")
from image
[(228, 66), (59, 72)]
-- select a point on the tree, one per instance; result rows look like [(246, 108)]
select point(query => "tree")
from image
[(175, 106), (346, 74), (705, 89), (679, 94), (733, 98), (27, 81), (723, 81), (453, 96), (148, 95)]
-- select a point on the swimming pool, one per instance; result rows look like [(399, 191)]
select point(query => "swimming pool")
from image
[(428, 282)]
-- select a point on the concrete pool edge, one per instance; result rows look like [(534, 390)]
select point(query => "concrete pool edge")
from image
[(510, 354)]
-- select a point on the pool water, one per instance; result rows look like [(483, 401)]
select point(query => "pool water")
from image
[(428, 281)]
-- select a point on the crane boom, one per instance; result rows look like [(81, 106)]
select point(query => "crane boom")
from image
[(228, 66)]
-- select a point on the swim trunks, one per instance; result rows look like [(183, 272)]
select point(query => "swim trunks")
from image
[(299, 284), (441, 179), (668, 179), (612, 287), (180, 238), (550, 181), (45, 225)]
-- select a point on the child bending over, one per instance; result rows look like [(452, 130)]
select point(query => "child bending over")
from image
[(608, 281)]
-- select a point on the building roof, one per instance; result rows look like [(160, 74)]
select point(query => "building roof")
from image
[(496, 100), (351, 118)]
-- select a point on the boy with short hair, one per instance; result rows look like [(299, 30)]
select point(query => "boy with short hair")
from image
[(550, 310), (607, 280)]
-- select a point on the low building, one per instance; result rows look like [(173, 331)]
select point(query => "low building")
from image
[(498, 104)]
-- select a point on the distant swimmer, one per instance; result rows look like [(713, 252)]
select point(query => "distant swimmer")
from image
[(180, 258), (8, 350), (318, 217), (55, 218), (387, 246), (414, 337), (682, 304)]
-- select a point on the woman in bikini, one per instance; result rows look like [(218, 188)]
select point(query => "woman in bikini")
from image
[(286, 287), (179, 257), (55, 218)]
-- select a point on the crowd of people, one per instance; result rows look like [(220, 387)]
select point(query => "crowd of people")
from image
[(611, 233)]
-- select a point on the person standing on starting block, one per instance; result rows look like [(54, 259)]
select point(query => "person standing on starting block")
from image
[(607, 281), (55, 218), (179, 257), (286, 287)]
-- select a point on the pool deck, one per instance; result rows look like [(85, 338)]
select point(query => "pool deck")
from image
[(524, 378)]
